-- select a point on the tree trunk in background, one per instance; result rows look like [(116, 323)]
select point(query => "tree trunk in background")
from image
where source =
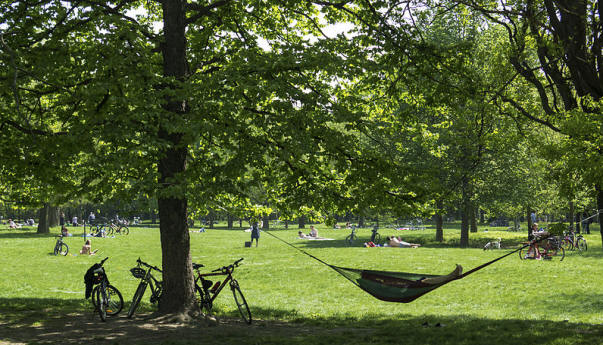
[(465, 214), (361, 222), (230, 221), (571, 215), (43, 227), (302, 222), (286, 224), (439, 219), (439, 227), (53, 216), (266, 221), (473, 217), (579, 222), (529, 218), (599, 191), (240, 223)]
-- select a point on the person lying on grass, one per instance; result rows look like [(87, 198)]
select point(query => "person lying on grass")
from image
[(394, 241)]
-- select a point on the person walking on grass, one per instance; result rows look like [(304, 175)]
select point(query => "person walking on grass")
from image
[(255, 233)]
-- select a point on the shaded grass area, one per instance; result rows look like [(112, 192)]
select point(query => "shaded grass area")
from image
[(295, 299)]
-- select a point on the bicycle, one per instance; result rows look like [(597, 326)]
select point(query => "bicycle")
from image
[(549, 249), (571, 241), (146, 278), (351, 237), (107, 300), (375, 236), (61, 247), (119, 227), (208, 291)]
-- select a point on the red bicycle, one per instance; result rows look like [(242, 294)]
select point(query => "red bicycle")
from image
[(208, 291), (542, 249)]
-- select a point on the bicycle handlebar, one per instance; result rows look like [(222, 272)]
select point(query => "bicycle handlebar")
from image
[(103, 261), (140, 262), (229, 267)]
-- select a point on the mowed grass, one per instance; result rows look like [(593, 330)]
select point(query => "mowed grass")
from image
[(512, 301)]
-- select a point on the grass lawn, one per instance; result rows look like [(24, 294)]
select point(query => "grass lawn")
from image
[(296, 300)]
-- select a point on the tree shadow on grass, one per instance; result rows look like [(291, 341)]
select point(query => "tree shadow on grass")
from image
[(22, 234), (73, 322)]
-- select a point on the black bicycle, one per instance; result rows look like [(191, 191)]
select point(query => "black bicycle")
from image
[(208, 291), (61, 247), (349, 240), (375, 235), (146, 279), (107, 300)]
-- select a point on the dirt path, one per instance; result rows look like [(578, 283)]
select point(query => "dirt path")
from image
[(143, 329)]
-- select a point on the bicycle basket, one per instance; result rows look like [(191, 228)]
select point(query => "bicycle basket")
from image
[(98, 277), (138, 272)]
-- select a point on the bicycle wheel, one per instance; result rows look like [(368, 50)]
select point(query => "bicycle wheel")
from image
[(581, 244), (137, 297), (110, 231), (523, 253), (240, 301), (57, 248), (203, 300), (567, 244), (63, 249), (350, 239), (115, 302), (554, 253), (94, 297), (125, 230), (101, 302)]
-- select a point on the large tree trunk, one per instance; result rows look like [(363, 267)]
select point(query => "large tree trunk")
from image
[(302, 222), (230, 221), (266, 221), (178, 294), (43, 227)]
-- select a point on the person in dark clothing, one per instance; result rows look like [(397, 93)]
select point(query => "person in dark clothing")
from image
[(255, 233)]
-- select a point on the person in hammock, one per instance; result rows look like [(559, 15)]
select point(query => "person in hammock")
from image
[(440, 279), (400, 282)]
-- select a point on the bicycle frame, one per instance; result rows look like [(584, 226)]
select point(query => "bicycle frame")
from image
[(216, 292), (153, 282), (208, 294)]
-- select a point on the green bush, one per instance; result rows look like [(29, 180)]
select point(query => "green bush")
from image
[(557, 229)]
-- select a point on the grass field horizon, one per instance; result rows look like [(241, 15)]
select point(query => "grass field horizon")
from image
[(520, 301)]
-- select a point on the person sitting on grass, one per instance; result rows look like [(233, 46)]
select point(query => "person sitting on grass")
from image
[(65, 232), (313, 231), (12, 224), (394, 241), (301, 235), (87, 249)]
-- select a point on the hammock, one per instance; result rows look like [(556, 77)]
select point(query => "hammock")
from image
[(399, 287)]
